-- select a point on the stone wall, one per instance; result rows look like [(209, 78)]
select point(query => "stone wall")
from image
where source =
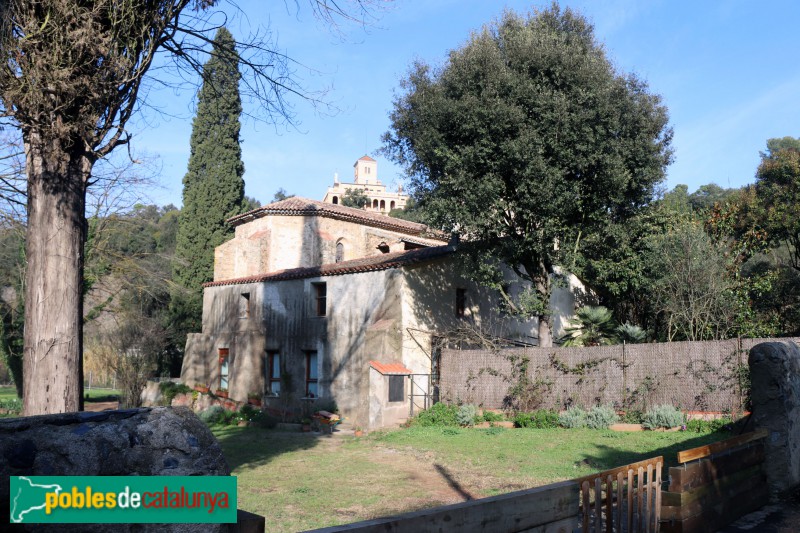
[(146, 442), (775, 377)]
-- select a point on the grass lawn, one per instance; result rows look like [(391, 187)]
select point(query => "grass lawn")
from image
[(7, 394), (302, 481)]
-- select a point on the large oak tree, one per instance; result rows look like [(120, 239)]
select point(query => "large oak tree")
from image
[(70, 80), (525, 140)]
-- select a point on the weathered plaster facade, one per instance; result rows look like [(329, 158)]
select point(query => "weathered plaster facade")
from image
[(339, 289)]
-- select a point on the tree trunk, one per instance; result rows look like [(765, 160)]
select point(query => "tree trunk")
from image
[(53, 341), (545, 331)]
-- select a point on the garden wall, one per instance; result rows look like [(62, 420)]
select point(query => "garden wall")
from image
[(707, 376)]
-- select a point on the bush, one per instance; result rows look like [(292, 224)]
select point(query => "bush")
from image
[(574, 417), (440, 414), (490, 416), (539, 419), (169, 390), (663, 416), (709, 426), (213, 415), (466, 415), (632, 416), (600, 417), (12, 405)]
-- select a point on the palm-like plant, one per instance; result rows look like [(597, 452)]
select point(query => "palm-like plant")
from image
[(592, 326), (631, 334)]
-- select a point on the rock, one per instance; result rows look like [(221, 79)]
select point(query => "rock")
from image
[(775, 393), (157, 441)]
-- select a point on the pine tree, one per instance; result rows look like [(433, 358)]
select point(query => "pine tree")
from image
[(213, 188)]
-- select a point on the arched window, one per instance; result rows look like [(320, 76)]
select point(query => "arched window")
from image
[(339, 252), (391, 205), (383, 205), (336, 199), (374, 204)]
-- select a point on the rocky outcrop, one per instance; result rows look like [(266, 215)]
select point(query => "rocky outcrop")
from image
[(149, 442)]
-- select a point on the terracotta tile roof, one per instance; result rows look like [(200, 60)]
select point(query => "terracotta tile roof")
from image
[(390, 369), (354, 266), (297, 206), (365, 158), (423, 242)]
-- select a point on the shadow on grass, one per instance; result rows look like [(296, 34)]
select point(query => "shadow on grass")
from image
[(254, 446), (611, 457)]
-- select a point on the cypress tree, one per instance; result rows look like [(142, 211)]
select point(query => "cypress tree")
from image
[(213, 188)]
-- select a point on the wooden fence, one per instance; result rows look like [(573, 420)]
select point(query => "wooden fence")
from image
[(625, 499), (715, 485), (551, 509)]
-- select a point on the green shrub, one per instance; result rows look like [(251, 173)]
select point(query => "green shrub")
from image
[(213, 415), (600, 417), (491, 416), (539, 419), (169, 390), (663, 416), (466, 415), (574, 417), (632, 416), (12, 405), (709, 426), (441, 414)]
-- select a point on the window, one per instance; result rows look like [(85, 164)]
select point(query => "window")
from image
[(339, 252), (224, 368), (396, 388), (273, 371), (391, 205), (335, 199), (312, 375), (320, 298), (244, 305), (383, 205), (461, 302)]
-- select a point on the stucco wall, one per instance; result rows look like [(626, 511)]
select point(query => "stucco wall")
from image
[(362, 324), (277, 242)]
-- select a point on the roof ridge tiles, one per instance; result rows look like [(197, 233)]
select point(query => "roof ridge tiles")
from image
[(353, 266), (298, 206)]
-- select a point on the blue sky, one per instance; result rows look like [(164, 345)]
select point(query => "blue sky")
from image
[(728, 71)]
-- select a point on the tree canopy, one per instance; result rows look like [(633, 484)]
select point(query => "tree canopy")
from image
[(213, 188), (527, 139), (71, 80)]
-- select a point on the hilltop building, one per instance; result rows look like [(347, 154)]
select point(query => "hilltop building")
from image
[(366, 180)]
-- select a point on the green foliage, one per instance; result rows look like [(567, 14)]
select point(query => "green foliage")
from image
[(574, 417), (466, 415), (709, 426), (355, 198), (281, 195), (592, 326), (213, 188), (214, 415), (496, 430), (170, 389), (600, 417), (508, 142), (440, 414), (539, 419), (632, 416), (663, 416), (491, 416), (12, 405), (630, 333)]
